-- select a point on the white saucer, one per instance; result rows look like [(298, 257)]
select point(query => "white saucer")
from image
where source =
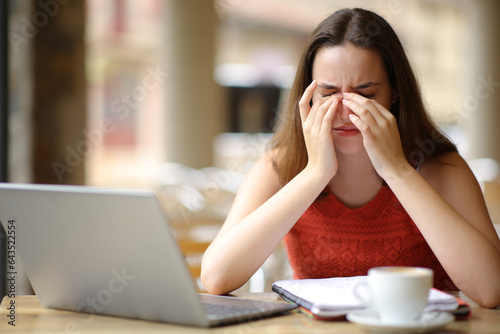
[(431, 321)]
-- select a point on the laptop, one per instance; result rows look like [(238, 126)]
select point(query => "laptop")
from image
[(112, 252)]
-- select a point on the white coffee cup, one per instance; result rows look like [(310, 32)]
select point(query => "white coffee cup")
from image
[(398, 294)]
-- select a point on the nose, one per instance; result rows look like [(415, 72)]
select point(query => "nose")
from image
[(339, 95), (344, 112)]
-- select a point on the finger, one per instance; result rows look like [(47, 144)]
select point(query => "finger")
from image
[(364, 112), (384, 118), (387, 113), (330, 115), (375, 108), (304, 106), (362, 126), (322, 110)]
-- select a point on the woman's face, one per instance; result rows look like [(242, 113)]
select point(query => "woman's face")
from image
[(348, 68)]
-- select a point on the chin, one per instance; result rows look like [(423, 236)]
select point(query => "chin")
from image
[(349, 150), (349, 146)]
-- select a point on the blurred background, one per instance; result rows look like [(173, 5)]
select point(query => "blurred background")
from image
[(181, 96)]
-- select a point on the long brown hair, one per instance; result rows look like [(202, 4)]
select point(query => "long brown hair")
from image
[(420, 138)]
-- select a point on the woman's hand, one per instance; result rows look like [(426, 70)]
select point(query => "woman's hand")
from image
[(380, 135), (317, 122)]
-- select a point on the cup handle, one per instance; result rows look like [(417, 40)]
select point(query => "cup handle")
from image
[(362, 283)]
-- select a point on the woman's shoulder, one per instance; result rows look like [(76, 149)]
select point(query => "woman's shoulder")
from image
[(264, 171), (267, 161), (444, 161), (270, 155), (446, 168)]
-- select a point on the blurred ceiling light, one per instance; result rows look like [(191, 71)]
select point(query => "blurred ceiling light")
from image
[(237, 75), (248, 75)]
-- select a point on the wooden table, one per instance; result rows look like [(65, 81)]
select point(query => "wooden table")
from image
[(32, 317)]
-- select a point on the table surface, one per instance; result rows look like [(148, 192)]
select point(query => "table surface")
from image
[(32, 317)]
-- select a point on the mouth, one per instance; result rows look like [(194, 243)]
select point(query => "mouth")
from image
[(346, 130)]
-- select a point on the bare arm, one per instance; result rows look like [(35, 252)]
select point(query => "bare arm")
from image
[(447, 205), (261, 216), (445, 202), (264, 211)]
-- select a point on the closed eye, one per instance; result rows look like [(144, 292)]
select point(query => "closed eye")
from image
[(368, 96), (328, 94)]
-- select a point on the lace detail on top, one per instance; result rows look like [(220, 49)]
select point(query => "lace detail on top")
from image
[(332, 240)]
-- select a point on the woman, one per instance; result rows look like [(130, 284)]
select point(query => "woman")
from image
[(357, 176)]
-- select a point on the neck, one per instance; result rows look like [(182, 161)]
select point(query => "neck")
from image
[(355, 166), (355, 171)]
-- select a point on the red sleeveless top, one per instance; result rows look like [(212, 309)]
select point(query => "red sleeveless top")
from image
[(332, 240)]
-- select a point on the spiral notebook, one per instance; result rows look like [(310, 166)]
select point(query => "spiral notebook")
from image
[(333, 297)]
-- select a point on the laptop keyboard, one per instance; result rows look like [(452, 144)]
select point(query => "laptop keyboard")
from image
[(221, 311)]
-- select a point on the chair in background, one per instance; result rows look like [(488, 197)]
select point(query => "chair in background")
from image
[(197, 203)]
